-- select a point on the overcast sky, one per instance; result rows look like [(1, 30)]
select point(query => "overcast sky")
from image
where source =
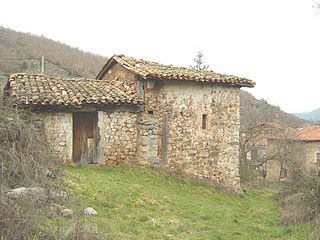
[(272, 42)]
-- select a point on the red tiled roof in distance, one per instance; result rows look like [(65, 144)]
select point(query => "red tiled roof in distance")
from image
[(149, 69), (308, 133), (27, 89)]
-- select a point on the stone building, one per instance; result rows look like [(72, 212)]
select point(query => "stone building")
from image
[(287, 149), (143, 113), (298, 148)]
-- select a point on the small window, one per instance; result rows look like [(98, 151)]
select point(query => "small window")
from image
[(150, 112), (204, 121)]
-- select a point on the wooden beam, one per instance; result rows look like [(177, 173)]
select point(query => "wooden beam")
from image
[(164, 138)]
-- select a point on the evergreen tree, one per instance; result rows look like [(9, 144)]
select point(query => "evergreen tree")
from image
[(199, 62)]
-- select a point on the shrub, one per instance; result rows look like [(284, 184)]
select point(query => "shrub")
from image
[(25, 161), (299, 198)]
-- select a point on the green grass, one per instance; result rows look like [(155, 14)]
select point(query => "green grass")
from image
[(140, 203)]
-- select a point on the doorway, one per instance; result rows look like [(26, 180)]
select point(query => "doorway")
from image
[(85, 137)]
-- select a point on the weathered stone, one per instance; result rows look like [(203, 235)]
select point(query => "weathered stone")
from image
[(89, 211), (147, 127), (155, 160), (22, 192), (48, 173), (153, 137), (61, 195), (144, 140), (143, 162), (66, 212), (148, 154), (150, 122)]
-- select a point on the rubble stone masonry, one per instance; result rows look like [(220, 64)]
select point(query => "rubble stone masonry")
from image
[(58, 130), (119, 136), (203, 128)]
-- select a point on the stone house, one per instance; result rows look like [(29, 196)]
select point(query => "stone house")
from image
[(288, 149), (142, 113), (300, 148)]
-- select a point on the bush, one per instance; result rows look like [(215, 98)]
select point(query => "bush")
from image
[(299, 198), (26, 161)]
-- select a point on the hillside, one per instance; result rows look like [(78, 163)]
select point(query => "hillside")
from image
[(141, 203), (254, 110), (21, 52), (310, 116)]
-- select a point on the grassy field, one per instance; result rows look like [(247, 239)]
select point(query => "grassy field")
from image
[(140, 203)]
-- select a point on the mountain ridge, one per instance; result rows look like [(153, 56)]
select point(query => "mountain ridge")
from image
[(313, 115)]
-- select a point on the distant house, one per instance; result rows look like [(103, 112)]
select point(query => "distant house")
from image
[(289, 148), (142, 113)]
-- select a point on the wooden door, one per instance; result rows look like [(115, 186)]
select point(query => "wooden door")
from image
[(85, 137)]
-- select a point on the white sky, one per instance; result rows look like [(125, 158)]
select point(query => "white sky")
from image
[(272, 42)]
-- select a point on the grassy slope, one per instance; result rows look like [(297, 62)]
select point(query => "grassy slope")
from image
[(136, 203)]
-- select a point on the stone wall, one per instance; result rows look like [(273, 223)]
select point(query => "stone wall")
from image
[(118, 136), (118, 72), (211, 153), (148, 147), (58, 131), (299, 154), (311, 149)]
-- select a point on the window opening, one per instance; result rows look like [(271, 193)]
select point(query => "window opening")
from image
[(204, 121)]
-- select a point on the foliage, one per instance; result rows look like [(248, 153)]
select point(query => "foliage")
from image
[(299, 197), (26, 161), (199, 65), (141, 203), (23, 161), (20, 50), (258, 119)]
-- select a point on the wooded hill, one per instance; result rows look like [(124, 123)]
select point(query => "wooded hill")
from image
[(253, 110), (21, 52)]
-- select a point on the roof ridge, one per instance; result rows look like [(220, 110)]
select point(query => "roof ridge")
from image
[(158, 70), (14, 75)]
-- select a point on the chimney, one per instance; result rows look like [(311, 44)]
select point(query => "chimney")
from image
[(42, 65)]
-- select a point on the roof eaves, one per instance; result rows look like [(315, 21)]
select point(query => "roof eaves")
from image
[(105, 68)]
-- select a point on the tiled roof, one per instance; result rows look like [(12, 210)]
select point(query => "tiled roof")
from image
[(149, 69), (308, 133), (41, 90)]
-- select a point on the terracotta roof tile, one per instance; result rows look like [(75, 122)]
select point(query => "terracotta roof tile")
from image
[(149, 69), (42, 90), (308, 133)]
